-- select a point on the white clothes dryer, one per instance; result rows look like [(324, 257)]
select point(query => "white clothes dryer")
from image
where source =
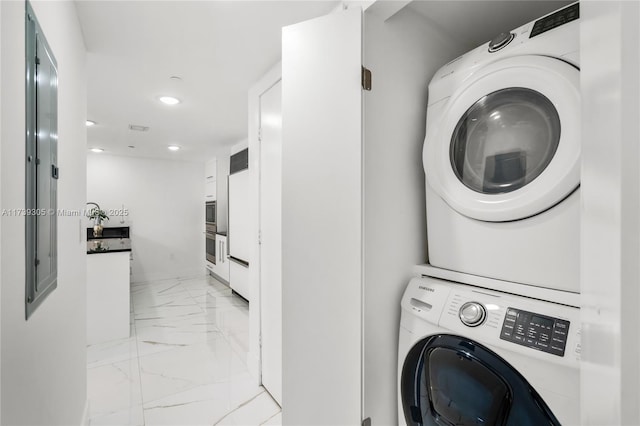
[(502, 157), (471, 356)]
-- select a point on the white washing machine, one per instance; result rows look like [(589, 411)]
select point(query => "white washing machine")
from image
[(471, 356), (502, 157)]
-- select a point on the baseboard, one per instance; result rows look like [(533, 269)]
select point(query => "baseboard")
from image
[(85, 414), (253, 365), (218, 277)]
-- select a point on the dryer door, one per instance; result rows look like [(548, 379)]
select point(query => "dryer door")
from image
[(451, 380), (508, 146)]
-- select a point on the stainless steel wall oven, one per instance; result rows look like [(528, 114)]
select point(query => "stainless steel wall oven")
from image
[(211, 242), (210, 212)]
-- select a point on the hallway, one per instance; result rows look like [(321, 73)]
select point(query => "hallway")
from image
[(184, 363)]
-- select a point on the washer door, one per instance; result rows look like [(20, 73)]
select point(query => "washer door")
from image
[(451, 380), (508, 144)]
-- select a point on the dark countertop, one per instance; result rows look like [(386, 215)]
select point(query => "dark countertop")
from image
[(108, 245), (109, 232)]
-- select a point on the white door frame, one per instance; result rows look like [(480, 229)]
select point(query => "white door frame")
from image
[(270, 234), (254, 357)]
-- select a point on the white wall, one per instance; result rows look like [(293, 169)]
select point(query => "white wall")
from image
[(166, 211), (43, 360), (610, 233), (403, 53)]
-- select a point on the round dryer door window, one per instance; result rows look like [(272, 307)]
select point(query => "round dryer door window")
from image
[(507, 144), (505, 140)]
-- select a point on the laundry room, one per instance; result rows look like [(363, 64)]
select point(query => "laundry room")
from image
[(501, 195), (416, 212)]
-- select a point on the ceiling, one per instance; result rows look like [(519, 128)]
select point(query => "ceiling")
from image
[(218, 49)]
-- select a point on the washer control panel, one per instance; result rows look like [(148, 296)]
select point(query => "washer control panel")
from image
[(536, 331), (528, 326)]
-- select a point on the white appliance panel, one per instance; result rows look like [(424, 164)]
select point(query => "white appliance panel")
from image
[(239, 236)]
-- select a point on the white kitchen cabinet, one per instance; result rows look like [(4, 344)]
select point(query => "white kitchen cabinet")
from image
[(210, 191), (221, 267), (222, 262), (210, 186), (108, 297), (210, 169), (239, 278)]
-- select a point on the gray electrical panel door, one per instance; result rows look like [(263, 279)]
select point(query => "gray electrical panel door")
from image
[(41, 165)]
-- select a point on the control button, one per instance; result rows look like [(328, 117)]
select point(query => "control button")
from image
[(472, 314), (500, 41)]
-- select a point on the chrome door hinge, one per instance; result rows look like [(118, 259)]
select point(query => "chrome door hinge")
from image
[(366, 422), (366, 79)]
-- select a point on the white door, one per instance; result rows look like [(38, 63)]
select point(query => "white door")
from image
[(322, 220), (271, 238), (508, 144)]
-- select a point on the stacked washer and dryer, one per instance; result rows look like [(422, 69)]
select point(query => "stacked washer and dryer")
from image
[(489, 331)]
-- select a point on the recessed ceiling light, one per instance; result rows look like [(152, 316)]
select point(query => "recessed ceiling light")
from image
[(173, 147), (97, 150), (169, 100), (90, 123)]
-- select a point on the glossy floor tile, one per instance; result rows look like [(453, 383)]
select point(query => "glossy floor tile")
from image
[(184, 363)]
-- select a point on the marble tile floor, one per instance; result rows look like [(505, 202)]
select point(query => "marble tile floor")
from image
[(184, 363)]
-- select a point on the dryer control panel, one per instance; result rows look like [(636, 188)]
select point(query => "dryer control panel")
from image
[(536, 331), (554, 20)]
